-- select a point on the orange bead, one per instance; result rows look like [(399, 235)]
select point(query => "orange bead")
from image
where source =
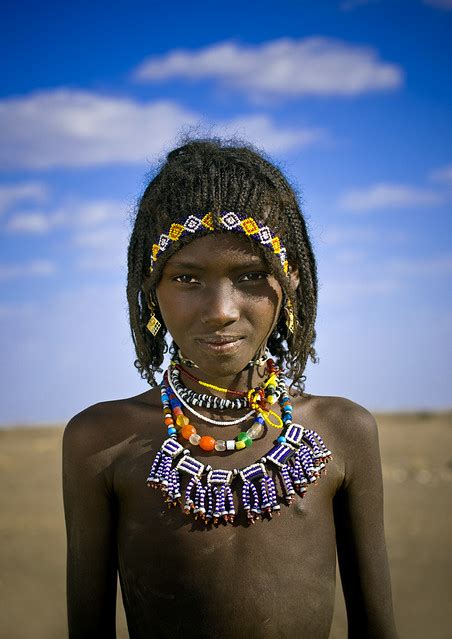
[(187, 430), (168, 421), (207, 442)]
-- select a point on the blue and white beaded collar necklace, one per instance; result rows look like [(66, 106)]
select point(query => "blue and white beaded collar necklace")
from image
[(298, 457)]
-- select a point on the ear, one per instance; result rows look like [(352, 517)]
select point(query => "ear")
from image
[(294, 277), (149, 292)]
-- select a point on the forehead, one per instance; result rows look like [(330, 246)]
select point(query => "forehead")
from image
[(216, 248)]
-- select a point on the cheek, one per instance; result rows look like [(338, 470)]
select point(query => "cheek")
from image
[(174, 311), (263, 312), (163, 299)]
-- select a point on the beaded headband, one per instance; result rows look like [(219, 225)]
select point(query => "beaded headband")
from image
[(229, 221)]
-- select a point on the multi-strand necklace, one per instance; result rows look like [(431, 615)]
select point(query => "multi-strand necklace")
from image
[(298, 455)]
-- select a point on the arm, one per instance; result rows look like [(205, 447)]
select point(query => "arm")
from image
[(90, 525), (361, 546)]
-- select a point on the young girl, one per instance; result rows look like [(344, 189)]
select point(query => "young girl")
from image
[(220, 260)]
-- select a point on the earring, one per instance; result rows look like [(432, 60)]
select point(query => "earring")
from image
[(153, 325), (185, 361), (259, 361), (290, 317)]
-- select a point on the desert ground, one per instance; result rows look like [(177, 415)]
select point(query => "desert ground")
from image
[(416, 451)]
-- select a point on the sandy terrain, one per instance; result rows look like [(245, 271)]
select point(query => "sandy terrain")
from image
[(417, 467)]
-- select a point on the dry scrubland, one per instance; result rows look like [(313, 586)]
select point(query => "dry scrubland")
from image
[(417, 466)]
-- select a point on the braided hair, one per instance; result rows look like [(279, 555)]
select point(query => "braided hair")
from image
[(212, 175)]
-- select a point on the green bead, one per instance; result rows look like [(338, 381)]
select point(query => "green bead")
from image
[(243, 437)]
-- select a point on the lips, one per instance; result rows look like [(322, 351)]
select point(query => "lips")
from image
[(220, 343), (219, 339)]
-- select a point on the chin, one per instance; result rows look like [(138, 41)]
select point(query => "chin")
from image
[(222, 365)]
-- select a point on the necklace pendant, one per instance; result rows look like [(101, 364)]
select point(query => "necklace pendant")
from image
[(259, 496), (280, 454), (159, 475), (221, 502), (294, 434)]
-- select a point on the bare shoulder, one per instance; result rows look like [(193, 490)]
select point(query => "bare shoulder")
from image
[(348, 429), (108, 423), (347, 418)]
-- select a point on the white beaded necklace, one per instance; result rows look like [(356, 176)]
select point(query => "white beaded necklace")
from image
[(209, 419)]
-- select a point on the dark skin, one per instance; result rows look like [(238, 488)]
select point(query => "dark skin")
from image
[(275, 578)]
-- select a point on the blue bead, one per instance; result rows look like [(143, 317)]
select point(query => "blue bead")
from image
[(172, 430), (260, 419), (281, 439), (286, 418)]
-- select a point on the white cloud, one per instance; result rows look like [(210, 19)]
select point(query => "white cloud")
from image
[(105, 249), (434, 265), (285, 67), (105, 261), (386, 195), (77, 128), (342, 292), (351, 256), (440, 4), (66, 128), (334, 235), (72, 214), (12, 194), (34, 222), (102, 238), (35, 268), (261, 130), (443, 174)]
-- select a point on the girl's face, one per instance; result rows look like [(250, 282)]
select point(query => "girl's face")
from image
[(220, 302)]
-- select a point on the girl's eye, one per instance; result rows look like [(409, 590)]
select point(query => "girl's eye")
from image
[(185, 279), (253, 277)]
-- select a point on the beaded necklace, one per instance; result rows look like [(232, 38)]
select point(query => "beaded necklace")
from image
[(204, 399), (298, 455)]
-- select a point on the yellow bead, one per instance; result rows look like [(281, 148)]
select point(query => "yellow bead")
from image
[(239, 445), (182, 421), (271, 399)]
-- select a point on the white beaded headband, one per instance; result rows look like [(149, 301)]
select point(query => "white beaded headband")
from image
[(229, 221)]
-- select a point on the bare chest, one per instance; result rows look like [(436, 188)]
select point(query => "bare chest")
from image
[(230, 580)]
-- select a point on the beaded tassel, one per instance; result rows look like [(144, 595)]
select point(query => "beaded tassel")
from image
[(199, 505), (255, 509), (230, 502), (189, 503)]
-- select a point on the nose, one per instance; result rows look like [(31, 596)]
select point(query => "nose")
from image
[(220, 307)]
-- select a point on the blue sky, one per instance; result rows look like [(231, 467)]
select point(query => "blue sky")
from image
[(352, 99)]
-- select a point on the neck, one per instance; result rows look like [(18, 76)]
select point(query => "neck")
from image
[(238, 382)]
